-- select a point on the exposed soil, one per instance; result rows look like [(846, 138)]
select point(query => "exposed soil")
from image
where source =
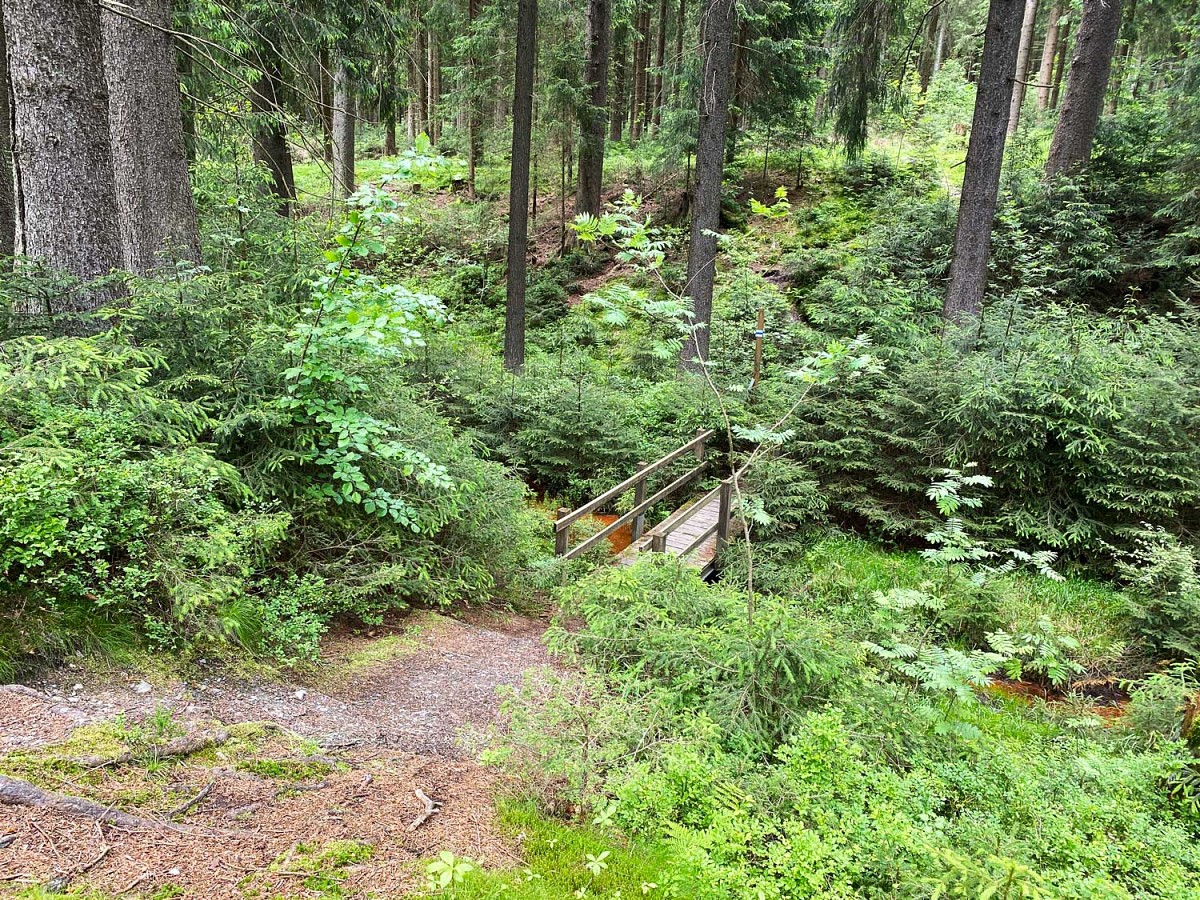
[(379, 721)]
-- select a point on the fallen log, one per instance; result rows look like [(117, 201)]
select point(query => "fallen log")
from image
[(14, 792), (184, 746)]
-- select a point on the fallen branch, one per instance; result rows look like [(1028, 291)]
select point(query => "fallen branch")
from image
[(184, 746), (14, 792), (195, 801), (431, 809)]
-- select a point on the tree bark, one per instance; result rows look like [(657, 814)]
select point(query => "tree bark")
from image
[(435, 88), (985, 156), (518, 194), (1064, 44), (1046, 68), (616, 116), (1122, 60), (8, 183), (420, 51), (1071, 148), (388, 102), (1022, 69), (271, 148), (660, 58), (63, 144), (592, 115), (343, 132), (154, 193), (473, 116), (719, 20)]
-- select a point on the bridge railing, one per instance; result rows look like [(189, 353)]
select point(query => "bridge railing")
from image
[(641, 503), (723, 495)]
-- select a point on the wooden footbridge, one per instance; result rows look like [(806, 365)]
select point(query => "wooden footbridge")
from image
[(696, 531)]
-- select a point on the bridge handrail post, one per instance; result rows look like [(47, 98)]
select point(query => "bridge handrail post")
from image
[(724, 511), (562, 539), (658, 543), (639, 497), (700, 442)]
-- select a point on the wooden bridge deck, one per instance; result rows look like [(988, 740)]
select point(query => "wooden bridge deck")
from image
[(681, 540), (695, 531)]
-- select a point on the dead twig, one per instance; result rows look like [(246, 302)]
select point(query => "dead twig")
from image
[(184, 746), (432, 808), (194, 802)]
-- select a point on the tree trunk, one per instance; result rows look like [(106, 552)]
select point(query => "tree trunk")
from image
[(660, 58), (154, 194), (420, 51), (326, 87), (518, 193), (184, 54), (677, 67), (943, 35), (985, 155), (735, 98), (270, 133), (1087, 81), (63, 143), (616, 115), (8, 184), (592, 115), (435, 88), (343, 132), (1123, 56), (641, 58), (1064, 45), (1022, 70), (719, 19), (473, 117), (388, 101), (1046, 69)]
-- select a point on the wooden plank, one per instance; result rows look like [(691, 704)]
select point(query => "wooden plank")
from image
[(613, 493)]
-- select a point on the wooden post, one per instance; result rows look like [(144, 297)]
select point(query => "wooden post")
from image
[(658, 543), (700, 446), (639, 497), (562, 538), (725, 501), (758, 342)]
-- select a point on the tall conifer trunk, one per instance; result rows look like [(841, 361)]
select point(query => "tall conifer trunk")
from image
[(1022, 69), (1049, 47), (660, 58), (518, 192), (1087, 81), (985, 156), (270, 132), (63, 144), (719, 22), (150, 167), (616, 115), (8, 185), (592, 115)]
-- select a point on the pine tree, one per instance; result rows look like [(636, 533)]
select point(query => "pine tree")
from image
[(593, 113), (518, 193)]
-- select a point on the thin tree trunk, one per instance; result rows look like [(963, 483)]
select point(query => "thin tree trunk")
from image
[(943, 35), (592, 115), (677, 67), (435, 88), (518, 194), (1064, 46), (8, 183), (1123, 55), (420, 51), (343, 132), (325, 74), (270, 133), (660, 58), (63, 143), (616, 116), (719, 21), (1071, 148), (473, 117), (154, 193), (184, 55), (641, 56), (928, 49), (1022, 69), (985, 156), (1046, 68), (735, 98), (387, 101)]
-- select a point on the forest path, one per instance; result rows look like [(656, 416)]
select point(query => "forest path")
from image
[(354, 741)]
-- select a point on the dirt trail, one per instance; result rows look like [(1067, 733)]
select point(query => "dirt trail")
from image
[(379, 721)]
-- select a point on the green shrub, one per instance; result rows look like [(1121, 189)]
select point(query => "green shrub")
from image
[(1164, 576)]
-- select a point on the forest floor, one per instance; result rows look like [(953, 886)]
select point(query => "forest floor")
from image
[(307, 787)]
